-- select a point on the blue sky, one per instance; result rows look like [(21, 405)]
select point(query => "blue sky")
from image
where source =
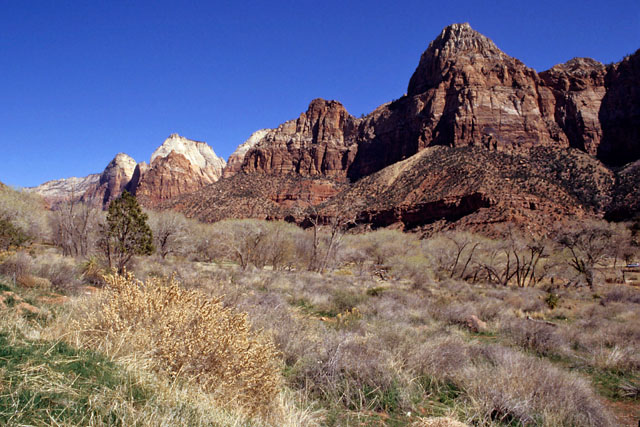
[(83, 80)]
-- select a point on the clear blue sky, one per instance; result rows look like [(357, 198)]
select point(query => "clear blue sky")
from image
[(83, 80)]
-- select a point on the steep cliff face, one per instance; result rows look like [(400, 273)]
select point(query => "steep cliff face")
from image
[(620, 112), (234, 164), (318, 143), (178, 166), (465, 91), (95, 189), (578, 89)]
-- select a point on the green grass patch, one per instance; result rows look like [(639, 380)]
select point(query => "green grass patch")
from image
[(54, 383)]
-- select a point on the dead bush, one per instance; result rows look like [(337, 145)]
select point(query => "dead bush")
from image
[(62, 272), (191, 336), (17, 265), (534, 336), (441, 357), (516, 389), (356, 371), (622, 294)]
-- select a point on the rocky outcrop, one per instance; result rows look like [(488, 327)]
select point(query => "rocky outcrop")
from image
[(66, 189), (234, 164), (475, 188), (625, 201), (464, 92), (113, 180), (578, 89), (178, 166), (318, 143), (620, 113)]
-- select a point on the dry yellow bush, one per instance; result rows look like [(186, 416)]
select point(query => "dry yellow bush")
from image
[(193, 336)]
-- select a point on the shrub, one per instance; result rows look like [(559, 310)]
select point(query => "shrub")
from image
[(61, 271), (552, 300), (519, 390), (534, 336), (416, 268), (25, 212), (193, 336), (17, 265), (10, 235)]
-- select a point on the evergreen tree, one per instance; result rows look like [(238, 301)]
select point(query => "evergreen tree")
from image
[(126, 232)]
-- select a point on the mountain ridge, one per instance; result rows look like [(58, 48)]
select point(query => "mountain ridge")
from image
[(465, 94)]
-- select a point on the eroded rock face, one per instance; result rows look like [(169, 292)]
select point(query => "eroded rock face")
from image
[(66, 189), (234, 165), (178, 166), (578, 89), (620, 113), (319, 143), (113, 180), (465, 91)]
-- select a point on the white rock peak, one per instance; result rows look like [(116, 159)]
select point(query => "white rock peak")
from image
[(255, 138), (123, 161), (198, 153)]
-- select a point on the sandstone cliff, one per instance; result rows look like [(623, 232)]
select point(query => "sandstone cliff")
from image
[(178, 166), (234, 164), (318, 143), (66, 189), (479, 138), (521, 146), (113, 180)]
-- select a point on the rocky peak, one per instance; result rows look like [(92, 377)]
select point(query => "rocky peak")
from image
[(179, 165), (120, 168), (457, 39), (113, 180), (325, 121), (575, 74), (318, 142), (198, 153), (456, 44), (234, 165)]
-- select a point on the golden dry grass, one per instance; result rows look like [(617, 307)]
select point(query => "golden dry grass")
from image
[(190, 336)]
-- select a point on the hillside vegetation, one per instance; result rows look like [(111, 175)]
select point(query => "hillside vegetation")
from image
[(247, 322)]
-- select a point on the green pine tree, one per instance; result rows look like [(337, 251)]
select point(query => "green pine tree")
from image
[(126, 232)]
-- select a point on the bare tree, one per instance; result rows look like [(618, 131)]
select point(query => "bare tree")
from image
[(170, 232), (588, 245), (74, 226)]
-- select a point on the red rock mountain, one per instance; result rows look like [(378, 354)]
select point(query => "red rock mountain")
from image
[(178, 166), (318, 143), (516, 145), (479, 138)]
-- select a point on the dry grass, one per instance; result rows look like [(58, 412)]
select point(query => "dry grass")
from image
[(191, 336)]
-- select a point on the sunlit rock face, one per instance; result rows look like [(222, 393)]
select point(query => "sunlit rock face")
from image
[(318, 143), (234, 165), (65, 189), (178, 166), (479, 138)]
